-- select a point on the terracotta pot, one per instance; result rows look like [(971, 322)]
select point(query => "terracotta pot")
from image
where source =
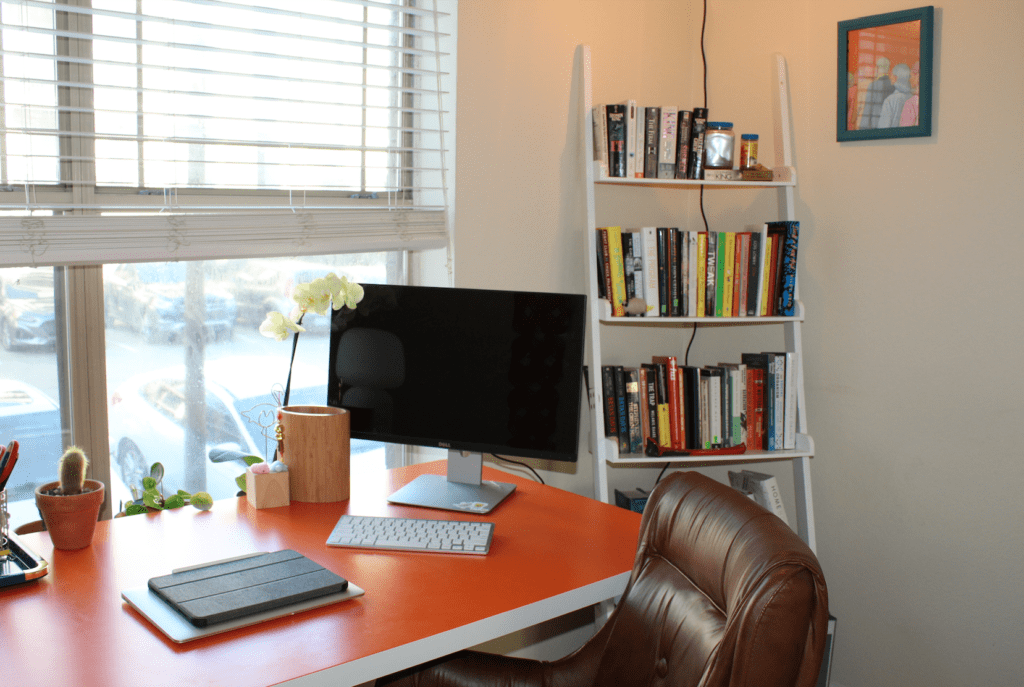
[(70, 520), (316, 451)]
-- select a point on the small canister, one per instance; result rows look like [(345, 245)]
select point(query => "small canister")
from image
[(718, 145), (748, 151)]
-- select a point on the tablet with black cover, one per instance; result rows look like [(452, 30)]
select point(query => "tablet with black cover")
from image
[(233, 589)]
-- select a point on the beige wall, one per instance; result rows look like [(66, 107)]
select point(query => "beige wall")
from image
[(909, 268)]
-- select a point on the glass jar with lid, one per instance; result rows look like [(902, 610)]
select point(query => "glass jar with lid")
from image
[(719, 142)]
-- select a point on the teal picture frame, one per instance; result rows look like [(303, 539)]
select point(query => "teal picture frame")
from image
[(884, 77)]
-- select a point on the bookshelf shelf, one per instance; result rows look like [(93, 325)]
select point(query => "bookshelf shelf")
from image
[(782, 177), (606, 449)]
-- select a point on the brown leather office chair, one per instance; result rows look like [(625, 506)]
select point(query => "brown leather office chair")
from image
[(722, 593)]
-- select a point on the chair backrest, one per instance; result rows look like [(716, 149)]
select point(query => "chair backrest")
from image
[(722, 593)]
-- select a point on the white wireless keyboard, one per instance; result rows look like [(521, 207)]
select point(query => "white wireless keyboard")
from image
[(412, 534)]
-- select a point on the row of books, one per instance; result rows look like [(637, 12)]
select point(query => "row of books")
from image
[(668, 272), (681, 407), (664, 142)]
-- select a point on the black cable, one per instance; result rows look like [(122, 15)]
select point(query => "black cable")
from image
[(522, 465), (693, 335), (661, 474), (703, 55)]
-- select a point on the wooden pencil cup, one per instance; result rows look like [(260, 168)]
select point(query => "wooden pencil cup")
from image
[(315, 442)]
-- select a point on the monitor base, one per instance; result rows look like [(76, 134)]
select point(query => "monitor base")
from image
[(435, 491)]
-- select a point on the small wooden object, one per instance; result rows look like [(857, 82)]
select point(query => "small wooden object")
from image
[(267, 490)]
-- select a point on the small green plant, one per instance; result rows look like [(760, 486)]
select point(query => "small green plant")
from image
[(72, 471), (152, 497)]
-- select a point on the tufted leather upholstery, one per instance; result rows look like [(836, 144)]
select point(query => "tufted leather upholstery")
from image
[(722, 593)]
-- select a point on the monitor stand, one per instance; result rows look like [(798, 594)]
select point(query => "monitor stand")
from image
[(462, 490)]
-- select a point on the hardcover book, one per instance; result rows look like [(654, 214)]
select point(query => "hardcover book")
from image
[(611, 405), (601, 137), (632, 152), (634, 421), (649, 241), (652, 134), (685, 128), (671, 371), (700, 122), (790, 234), (667, 143), (617, 270), (616, 140)]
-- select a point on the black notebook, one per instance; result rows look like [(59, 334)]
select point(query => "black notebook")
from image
[(220, 592)]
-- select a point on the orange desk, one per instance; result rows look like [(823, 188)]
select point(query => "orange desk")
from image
[(553, 552)]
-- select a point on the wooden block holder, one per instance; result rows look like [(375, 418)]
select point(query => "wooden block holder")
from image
[(268, 489)]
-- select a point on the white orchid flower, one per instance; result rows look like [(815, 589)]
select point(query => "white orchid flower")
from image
[(314, 296), (277, 326), (347, 293)]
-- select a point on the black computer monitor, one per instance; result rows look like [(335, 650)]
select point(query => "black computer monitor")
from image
[(474, 371)]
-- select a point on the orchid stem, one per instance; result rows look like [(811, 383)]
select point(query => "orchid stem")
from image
[(291, 364)]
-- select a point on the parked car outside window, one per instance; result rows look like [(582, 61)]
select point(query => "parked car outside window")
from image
[(150, 298), (26, 308), (33, 418)]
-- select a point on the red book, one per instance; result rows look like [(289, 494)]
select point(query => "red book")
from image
[(674, 399), (681, 390)]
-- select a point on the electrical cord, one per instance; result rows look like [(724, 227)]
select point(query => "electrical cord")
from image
[(522, 465)]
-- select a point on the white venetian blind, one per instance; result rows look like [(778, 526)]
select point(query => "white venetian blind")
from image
[(189, 129)]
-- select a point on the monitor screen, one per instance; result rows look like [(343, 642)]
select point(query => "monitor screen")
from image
[(483, 371)]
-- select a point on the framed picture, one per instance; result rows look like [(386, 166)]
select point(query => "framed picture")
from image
[(884, 83)]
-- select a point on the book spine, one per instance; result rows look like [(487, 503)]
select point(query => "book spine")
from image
[(611, 416), (673, 261), (664, 273), (754, 275), (616, 140), (789, 414), (766, 272), (692, 255), (652, 135), (631, 149), (667, 142), (628, 264), (600, 116), (684, 272), (700, 122), (778, 399), (739, 303), (728, 271), (787, 280), (649, 374), (681, 408), (685, 128), (705, 415), (701, 278), (777, 237), (640, 135), (617, 270), (601, 255), (649, 241), (691, 401), (671, 373), (621, 414), (606, 259), (711, 275), (634, 426), (664, 409)]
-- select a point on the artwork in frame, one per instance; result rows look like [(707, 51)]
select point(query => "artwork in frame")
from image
[(884, 83)]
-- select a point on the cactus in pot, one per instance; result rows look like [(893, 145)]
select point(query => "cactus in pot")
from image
[(73, 465), (71, 507)]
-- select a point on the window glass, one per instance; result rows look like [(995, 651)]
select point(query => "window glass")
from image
[(29, 388), (184, 337)]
